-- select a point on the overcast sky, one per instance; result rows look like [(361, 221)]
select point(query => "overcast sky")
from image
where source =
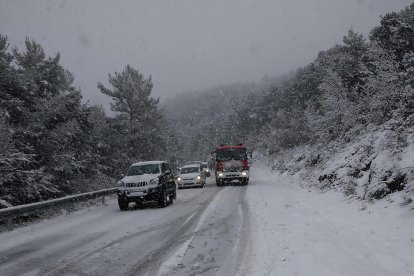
[(186, 44)]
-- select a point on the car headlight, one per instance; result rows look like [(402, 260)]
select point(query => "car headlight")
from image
[(198, 177), (120, 184), (179, 178), (154, 181), (220, 174), (244, 173)]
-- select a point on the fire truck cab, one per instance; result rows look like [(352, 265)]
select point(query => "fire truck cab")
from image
[(231, 165)]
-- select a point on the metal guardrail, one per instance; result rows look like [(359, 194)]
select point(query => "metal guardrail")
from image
[(7, 214)]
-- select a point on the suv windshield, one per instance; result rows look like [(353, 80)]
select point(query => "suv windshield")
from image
[(189, 170), (144, 169), (231, 154)]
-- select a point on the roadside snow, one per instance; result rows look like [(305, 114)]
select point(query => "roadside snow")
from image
[(297, 231), (5, 203), (372, 165)]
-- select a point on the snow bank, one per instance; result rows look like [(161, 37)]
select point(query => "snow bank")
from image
[(373, 165)]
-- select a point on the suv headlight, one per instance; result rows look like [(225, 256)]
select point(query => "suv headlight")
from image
[(198, 177), (120, 184), (154, 181), (179, 178)]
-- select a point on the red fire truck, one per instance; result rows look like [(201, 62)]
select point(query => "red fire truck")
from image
[(231, 164)]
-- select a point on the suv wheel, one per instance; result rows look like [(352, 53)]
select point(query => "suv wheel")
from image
[(174, 196), (123, 204), (163, 199)]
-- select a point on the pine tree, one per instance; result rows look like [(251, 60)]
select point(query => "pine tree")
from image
[(137, 111), (396, 33)]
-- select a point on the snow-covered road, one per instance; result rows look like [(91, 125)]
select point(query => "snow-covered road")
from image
[(204, 231), (271, 227)]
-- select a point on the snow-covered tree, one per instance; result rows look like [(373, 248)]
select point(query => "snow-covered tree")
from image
[(47, 126), (396, 32), (138, 113)]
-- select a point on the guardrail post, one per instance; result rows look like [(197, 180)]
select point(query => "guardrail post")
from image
[(10, 225), (103, 200)]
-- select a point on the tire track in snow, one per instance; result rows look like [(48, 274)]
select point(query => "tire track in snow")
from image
[(151, 261), (178, 255)]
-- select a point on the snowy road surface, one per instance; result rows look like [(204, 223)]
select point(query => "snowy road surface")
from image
[(271, 227), (204, 231)]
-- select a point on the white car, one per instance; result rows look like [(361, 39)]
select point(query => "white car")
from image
[(204, 167), (191, 176)]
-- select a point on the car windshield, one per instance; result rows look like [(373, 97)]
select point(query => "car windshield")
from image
[(189, 170), (231, 154), (143, 169)]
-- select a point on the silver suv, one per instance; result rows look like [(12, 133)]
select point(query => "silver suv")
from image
[(147, 181)]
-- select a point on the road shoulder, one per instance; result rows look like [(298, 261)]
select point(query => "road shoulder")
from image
[(304, 232)]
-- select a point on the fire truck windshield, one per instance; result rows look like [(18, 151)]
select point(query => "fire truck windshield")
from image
[(231, 154)]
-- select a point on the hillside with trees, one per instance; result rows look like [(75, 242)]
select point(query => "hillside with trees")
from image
[(203, 120), (346, 121), (54, 145), (343, 121)]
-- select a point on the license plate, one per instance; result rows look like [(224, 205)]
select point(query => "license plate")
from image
[(137, 192)]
